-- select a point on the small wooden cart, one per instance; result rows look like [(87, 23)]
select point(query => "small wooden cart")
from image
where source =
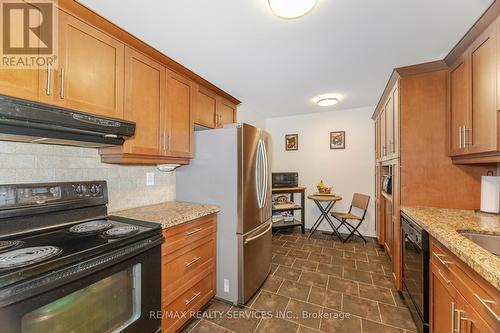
[(301, 207)]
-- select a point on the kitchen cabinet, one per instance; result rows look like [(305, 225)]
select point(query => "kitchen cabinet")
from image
[(206, 108), (226, 112), (145, 82), (474, 81), (90, 72), (188, 270), (21, 83), (387, 126), (389, 229), (459, 299), (178, 119)]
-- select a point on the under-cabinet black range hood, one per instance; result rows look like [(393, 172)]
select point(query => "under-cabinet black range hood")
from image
[(25, 121)]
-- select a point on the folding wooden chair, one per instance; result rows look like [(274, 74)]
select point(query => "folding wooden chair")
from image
[(358, 201)]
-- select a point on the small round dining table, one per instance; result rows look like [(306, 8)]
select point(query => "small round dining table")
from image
[(325, 203)]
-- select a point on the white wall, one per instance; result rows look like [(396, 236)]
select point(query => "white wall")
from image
[(348, 171), (251, 117), (36, 163)]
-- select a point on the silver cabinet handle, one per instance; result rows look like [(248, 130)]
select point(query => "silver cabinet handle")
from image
[(444, 262), (162, 141), (192, 232), (460, 137), (444, 278), (486, 303), (468, 137), (459, 321), (452, 317), (195, 296), (195, 259), (49, 75), (464, 137), (62, 84)]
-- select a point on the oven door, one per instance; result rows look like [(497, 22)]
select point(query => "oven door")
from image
[(118, 298)]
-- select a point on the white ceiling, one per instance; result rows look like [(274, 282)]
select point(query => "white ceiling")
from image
[(276, 66)]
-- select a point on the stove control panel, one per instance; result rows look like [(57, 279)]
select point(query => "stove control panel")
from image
[(22, 195)]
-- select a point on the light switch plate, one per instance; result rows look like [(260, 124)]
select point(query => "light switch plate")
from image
[(150, 178)]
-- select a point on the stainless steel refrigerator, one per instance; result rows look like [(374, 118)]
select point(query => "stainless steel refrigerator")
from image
[(232, 169)]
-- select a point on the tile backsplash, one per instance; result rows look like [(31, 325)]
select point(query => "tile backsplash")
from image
[(35, 163)]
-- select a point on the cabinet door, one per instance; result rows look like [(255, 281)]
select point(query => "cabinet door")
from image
[(226, 112), (441, 301), (383, 135), (21, 83), (377, 138), (457, 95), (482, 129), (178, 120), (395, 120), (389, 125), (144, 102), (206, 108), (90, 75)]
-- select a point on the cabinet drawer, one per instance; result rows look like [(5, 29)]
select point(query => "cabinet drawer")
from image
[(479, 294), (185, 263), (178, 312), (188, 233)]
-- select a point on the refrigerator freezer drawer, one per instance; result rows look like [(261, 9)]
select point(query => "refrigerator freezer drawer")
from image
[(255, 260)]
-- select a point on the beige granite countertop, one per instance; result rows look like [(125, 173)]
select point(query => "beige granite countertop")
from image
[(443, 225), (169, 214)]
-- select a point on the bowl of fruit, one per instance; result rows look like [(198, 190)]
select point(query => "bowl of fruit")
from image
[(323, 189)]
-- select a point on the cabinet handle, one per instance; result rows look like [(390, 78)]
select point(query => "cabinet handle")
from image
[(444, 262), (486, 303), (468, 141), (165, 141), (452, 317), (61, 93), (464, 138), (460, 137), (216, 119), (192, 232), (195, 296), (444, 278), (220, 121), (195, 259), (459, 321), (49, 75)]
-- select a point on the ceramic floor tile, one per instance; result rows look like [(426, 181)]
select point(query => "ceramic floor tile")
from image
[(339, 322), (355, 275), (276, 325), (374, 327), (205, 326), (361, 307), (267, 301), (288, 273), (272, 284), (321, 258), (305, 313), (344, 286), (240, 320), (294, 290), (305, 265), (327, 298), (375, 293), (314, 279), (329, 269), (396, 316), (283, 260)]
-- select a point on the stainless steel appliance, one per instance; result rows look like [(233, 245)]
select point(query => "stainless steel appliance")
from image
[(285, 179), (416, 272), (26, 121), (231, 169), (65, 266), (387, 184)]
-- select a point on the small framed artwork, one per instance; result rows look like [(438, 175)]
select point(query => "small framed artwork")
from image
[(337, 140), (291, 142)]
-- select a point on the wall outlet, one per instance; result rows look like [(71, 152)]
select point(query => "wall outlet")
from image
[(226, 285), (150, 178)]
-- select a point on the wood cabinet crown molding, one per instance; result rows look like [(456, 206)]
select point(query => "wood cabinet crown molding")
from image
[(88, 15)]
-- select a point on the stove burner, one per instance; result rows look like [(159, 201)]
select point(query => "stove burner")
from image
[(91, 227), (119, 232), (27, 256), (7, 244)]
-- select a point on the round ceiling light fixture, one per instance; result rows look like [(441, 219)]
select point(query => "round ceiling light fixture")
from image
[(326, 100), (290, 9)]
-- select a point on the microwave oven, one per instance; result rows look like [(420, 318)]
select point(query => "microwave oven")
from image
[(285, 179)]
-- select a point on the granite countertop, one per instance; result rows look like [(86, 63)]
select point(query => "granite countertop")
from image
[(443, 224), (169, 214)]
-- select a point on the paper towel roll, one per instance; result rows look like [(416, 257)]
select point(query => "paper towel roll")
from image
[(490, 194)]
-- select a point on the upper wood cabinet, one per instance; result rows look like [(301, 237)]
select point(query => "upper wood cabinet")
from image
[(387, 126), (145, 82), (473, 92), (226, 113), (206, 108), (21, 83), (178, 120), (90, 69)]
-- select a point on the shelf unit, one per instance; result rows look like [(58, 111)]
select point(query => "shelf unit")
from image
[(300, 207)]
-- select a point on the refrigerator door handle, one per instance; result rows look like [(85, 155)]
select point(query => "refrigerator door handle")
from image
[(258, 173), (266, 174), (250, 239)]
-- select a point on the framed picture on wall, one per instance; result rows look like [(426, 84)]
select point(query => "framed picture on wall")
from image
[(337, 140), (291, 142)]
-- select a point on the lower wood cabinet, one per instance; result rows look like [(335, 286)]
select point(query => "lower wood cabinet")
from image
[(188, 270), (460, 300)]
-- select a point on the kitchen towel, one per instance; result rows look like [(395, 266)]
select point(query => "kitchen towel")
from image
[(490, 194)]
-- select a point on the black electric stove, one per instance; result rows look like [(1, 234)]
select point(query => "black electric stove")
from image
[(59, 235)]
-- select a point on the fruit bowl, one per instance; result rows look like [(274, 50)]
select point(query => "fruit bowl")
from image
[(325, 190)]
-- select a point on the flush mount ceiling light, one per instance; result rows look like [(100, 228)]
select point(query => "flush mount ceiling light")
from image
[(326, 100), (289, 9)]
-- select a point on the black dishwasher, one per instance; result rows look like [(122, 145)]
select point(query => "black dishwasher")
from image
[(416, 272)]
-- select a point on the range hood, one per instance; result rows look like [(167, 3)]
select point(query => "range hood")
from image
[(25, 121)]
